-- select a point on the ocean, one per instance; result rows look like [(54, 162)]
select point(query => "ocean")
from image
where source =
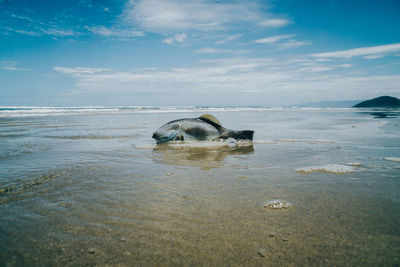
[(89, 186)]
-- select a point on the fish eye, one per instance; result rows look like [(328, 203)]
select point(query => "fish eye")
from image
[(175, 127)]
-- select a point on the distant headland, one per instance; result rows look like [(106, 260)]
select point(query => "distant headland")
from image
[(380, 102)]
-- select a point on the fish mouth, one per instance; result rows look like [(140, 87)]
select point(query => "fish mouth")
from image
[(179, 138), (164, 139), (161, 139)]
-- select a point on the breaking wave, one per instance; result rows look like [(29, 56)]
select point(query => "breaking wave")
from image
[(59, 111), (392, 159), (354, 164)]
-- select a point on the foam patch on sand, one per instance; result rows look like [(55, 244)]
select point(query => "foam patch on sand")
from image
[(392, 159), (278, 204), (330, 168)]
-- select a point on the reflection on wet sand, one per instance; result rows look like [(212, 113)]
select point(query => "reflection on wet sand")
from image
[(383, 114), (205, 157)]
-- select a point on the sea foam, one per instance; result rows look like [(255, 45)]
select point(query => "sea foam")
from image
[(278, 204), (330, 168)]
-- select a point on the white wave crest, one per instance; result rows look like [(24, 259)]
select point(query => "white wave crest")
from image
[(392, 159), (24, 111), (354, 164)]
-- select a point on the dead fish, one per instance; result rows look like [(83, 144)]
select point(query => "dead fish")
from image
[(206, 127)]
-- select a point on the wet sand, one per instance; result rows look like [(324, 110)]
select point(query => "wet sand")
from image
[(69, 196)]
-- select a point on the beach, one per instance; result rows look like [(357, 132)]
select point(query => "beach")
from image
[(89, 186)]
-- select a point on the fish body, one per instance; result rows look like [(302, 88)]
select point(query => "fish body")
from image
[(206, 127)]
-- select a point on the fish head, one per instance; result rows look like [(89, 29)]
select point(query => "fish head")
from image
[(170, 131)]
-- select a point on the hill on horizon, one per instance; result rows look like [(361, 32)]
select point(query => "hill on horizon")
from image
[(380, 102)]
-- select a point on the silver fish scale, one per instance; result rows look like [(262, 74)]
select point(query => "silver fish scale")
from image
[(195, 129)]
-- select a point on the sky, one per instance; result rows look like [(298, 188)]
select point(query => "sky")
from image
[(197, 52)]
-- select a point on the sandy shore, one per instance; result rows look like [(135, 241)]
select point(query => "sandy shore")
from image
[(123, 200)]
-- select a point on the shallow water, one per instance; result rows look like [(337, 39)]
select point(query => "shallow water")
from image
[(94, 189)]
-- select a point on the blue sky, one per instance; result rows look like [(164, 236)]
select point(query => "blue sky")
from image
[(200, 52)]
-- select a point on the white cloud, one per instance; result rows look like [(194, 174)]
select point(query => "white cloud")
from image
[(34, 28), (286, 44), (81, 70), (293, 44), (26, 18), (370, 51), (178, 38), (277, 77), (311, 66), (274, 23), (23, 32), (12, 66), (85, 3), (168, 41), (198, 15), (210, 50), (273, 39), (58, 28), (59, 32), (374, 56), (345, 66), (115, 31), (229, 38), (322, 59)]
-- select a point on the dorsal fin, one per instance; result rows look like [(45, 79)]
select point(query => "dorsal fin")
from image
[(210, 118)]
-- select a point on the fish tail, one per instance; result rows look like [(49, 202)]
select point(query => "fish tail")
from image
[(245, 135), (238, 135)]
